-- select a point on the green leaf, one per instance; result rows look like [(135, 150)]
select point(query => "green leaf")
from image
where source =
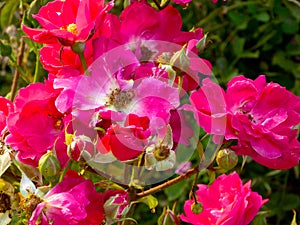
[(238, 45), (290, 201), (282, 61), (294, 10), (296, 70), (264, 39), (149, 200), (243, 25), (212, 176), (248, 54), (175, 191), (7, 12), (274, 173), (289, 25), (236, 17), (263, 17)]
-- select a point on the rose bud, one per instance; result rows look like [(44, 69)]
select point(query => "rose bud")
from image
[(227, 159), (49, 167), (168, 217), (116, 204)]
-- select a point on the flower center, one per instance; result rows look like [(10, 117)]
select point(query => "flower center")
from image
[(161, 152), (120, 99), (250, 116), (29, 204), (72, 28)]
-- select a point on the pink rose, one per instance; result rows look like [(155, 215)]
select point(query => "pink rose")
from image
[(225, 202), (35, 124), (262, 116), (5, 107), (74, 201), (67, 22)]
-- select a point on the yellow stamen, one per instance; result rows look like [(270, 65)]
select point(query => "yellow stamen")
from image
[(72, 28)]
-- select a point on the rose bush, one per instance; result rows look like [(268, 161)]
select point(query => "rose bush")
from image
[(127, 108)]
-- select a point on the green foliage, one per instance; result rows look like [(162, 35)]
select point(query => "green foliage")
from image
[(6, 12), (175, 191), (251, 38), (150, 201)]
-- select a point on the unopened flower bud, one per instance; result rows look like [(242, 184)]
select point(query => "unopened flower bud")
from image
[(49, 166), (201, 44), (78, 47), (73, 150), (196, 208), (117, 204), (168, 217), (227, 159), (180, 59)]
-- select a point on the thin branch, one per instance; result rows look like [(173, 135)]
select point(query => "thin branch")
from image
[(17, 72), (168, 183)]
